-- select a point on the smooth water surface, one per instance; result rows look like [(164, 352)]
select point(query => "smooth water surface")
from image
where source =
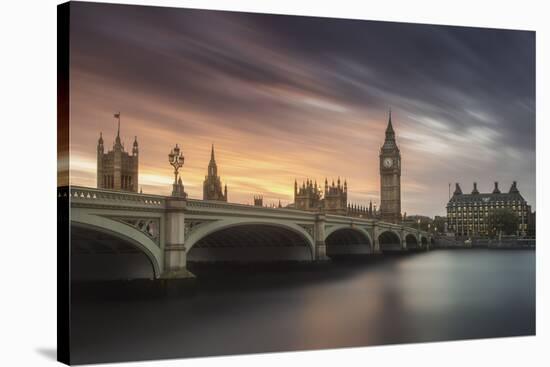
[(434, 296)]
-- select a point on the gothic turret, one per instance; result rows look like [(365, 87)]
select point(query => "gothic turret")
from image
[(100, 153), (135, 150), (336, 198), (100, 146), (118, 144), (116, 169), (212, 186), (370, 208), (309, 196), (212, 166)]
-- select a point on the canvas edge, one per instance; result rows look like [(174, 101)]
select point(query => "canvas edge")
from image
[(63, 197)]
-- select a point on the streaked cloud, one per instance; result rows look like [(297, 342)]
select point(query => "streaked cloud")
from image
[(296, 97)]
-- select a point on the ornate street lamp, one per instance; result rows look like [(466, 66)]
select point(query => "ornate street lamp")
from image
[(176, 159)]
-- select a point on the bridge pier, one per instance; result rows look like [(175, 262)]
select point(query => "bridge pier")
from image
[(319, 237), (375, 241), (175, 253)]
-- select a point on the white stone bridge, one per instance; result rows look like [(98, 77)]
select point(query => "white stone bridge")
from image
[(171, 231)]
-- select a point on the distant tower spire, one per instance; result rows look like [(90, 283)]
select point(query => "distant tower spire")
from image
[(212, 167), (212, 185), (135, 149), (100, 147), (389, 130)]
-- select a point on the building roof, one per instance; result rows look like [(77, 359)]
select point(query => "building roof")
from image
[(496, 196), (486, 198)]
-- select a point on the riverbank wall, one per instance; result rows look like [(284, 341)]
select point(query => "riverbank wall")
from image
[(505, 243)]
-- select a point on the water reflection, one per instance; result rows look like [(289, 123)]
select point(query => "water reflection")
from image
[(440, 295)]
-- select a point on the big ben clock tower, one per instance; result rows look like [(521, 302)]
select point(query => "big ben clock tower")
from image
[(390, 178)]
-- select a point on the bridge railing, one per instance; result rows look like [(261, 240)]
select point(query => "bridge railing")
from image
[(93, 196), (346, 219), (195, 204), (86, 195)]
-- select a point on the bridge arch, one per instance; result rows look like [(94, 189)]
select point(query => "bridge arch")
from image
[(346, 240), (242, 240), (125, 234), (389, 240), (411, 241)]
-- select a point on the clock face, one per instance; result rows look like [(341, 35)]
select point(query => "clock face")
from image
[(388, 162)]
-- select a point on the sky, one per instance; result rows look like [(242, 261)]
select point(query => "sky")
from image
[(293, 97)]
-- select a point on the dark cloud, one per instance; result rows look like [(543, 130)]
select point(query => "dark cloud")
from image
[(280, 77)]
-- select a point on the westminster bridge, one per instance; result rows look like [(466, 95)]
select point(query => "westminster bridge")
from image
[(171, 231)]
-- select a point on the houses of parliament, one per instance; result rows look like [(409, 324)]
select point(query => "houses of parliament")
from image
[(118, 170), (334, 198)]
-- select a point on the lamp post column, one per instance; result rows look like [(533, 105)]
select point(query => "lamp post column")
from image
[(175, 252)]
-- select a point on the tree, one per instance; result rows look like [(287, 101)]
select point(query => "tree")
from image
[(502, 221), (439, 224)]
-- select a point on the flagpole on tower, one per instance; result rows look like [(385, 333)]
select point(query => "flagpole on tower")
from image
[(117, 116)]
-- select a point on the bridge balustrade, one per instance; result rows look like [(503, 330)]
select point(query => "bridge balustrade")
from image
[(171, 228)]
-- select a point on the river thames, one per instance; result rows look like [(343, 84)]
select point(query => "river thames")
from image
[(433, 296)]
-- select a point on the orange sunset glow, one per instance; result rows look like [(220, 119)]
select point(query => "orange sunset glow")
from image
[(283, 99)]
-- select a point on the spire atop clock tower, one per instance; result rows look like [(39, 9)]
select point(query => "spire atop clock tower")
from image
[(389, 129), (389, 142)]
